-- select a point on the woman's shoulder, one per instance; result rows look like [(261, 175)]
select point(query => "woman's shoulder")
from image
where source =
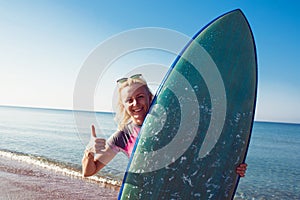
[(121, 132), (125, 131)]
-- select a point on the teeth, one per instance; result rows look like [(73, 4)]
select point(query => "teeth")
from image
[(138, 110)]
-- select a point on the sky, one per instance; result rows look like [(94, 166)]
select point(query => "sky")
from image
[(45, 44)]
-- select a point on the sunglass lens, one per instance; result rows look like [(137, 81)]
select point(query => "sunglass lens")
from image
[(122, 80), (136, 76)]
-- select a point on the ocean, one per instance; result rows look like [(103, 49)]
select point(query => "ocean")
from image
[(53, 140)]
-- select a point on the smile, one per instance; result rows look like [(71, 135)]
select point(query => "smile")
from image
[(137, 110)]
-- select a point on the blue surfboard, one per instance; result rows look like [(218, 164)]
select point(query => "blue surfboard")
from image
[(198, 128)]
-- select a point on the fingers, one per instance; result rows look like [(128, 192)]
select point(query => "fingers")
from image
[(241, 169), (243, 165), (98, 144), (241, 173)]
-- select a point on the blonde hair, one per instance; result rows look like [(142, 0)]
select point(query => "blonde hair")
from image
[(122, 117)]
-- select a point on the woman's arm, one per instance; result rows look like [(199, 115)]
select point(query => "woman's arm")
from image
[(91, 164)]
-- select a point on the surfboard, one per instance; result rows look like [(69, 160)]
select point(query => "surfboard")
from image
[(199, 125)]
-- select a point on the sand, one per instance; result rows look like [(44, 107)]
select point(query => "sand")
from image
[(19, 180)]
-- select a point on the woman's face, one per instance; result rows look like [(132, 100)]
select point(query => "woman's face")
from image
[(136, 100)]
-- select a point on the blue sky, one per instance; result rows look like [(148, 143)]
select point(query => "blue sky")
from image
[(43, 45)]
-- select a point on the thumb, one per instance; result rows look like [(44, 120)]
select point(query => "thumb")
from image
[(93, 131)]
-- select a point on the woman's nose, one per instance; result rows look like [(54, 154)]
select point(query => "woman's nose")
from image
[(134, 102)]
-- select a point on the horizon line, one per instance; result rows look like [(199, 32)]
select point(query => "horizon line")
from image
[(110, 112)]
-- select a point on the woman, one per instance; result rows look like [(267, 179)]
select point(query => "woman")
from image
[(133, 104)]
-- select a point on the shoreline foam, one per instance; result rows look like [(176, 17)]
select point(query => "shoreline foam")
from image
[(23, 177)]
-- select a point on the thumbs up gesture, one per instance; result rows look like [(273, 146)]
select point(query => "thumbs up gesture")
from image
[(96, 145)]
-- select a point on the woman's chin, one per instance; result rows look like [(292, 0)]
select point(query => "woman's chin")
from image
[(138, 119)]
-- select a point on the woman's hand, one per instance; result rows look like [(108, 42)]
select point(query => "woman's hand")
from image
[(96, 145), (241, 169), (90, 165)]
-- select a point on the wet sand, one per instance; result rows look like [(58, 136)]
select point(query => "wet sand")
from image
[(20, 180)]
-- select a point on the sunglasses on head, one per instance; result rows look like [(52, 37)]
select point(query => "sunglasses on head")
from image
[(123, 80)]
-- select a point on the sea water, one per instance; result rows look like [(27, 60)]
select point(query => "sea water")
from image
[(54, 140)]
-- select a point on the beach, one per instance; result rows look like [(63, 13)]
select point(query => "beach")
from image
[(20, 180)]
